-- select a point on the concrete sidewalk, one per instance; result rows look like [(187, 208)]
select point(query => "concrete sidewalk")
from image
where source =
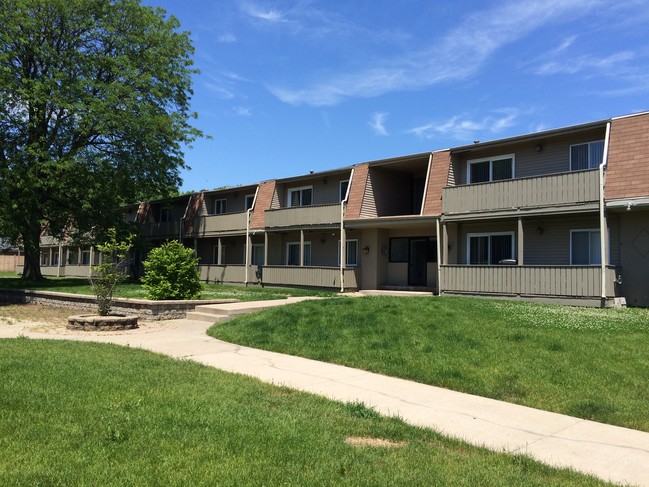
[(612, 453)]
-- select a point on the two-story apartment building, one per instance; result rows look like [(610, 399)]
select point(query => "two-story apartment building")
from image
[(561, 214)]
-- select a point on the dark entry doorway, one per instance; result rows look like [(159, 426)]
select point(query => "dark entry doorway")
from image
[(417, 262)]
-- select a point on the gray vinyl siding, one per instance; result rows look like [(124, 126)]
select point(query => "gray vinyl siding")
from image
[(234, 250), (553, 158), (326, 190), (235, 202), (388, 193), (551, 246)]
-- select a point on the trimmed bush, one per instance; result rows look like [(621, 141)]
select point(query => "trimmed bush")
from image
[(171, 272)]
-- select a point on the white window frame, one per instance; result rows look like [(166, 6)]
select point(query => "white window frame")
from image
[(166, 210), (306, 244), (488, 234), (592, 230), (491, 166), (342, 195), (348, 253), (251, 198), (300, 189), (83, 254), (45, 258), (215, 254), (55, 258), (224, 204), (587, 144)]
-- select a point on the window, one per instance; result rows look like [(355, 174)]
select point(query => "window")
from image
[(215, 254), (491, 169), (85, 257), (72, 257), (165, 215), (585, 247), (351, 253), (220, 206), (586, 156), (399, 249), (55, 258), (257, 254), (343, 190), (45, 258), (250, 199), (489, 248), (300, 196), (293, 253)]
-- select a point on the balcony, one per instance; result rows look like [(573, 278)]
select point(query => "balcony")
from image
[(556, 281), (312, 216), (564, 191), (220, 224), (160, 230), (323, 277)]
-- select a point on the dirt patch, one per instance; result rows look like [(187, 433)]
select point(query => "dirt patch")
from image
[(374, 442)]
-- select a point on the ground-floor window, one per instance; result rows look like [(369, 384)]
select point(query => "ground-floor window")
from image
[(585, 247), (215, 254), (401, 248), (85, 257), (351, 253), (45, 258), (55, 258), (489, 248), (293, 253), (257, 254)]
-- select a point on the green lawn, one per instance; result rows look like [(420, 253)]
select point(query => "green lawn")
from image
[(90, 414), (585, 362), (134, 290)]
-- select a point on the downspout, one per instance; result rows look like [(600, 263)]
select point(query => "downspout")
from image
[(603, 228), (439, 258), (343, 242), (248, 211)]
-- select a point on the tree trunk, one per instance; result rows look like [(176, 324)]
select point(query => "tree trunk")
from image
[(31, 242)]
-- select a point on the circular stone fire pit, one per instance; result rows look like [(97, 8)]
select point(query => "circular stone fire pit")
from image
[(102, 323)]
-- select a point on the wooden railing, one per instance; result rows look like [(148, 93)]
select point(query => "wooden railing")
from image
[(161, 230), (226, 273), (324, 277), (568, 281), (542, 191), (303, 215), (215, 224)]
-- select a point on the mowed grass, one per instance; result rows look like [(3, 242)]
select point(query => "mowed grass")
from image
[(93, 414), (135, 290), (584, 362)]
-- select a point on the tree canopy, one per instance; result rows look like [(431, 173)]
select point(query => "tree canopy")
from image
[(94, 113)]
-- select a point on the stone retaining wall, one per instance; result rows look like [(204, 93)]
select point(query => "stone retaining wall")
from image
[(142, 308)]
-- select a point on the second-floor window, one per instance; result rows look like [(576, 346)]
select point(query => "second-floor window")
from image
[(300, 196), (491, 169), (343, 189), (220, 206), (165, 215), (586, 156), (250, 199)]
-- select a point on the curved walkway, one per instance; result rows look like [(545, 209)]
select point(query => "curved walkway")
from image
[(612, 453)]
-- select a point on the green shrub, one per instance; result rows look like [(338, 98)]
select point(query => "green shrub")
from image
[(171, 272)]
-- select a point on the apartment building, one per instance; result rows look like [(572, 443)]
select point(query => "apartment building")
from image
[(558, 215)]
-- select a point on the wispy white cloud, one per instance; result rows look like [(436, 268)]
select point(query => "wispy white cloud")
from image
[(377, 122), (224, 84), (461, 127), (261, 13), (226, 38), (243, 111), (586, 64), (458, 55)]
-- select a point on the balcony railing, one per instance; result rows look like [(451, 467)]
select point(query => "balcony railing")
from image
[(226, 273), (160, 230), (303, 215), (324, 277), (216, 224), (565, 281), (534, 192)]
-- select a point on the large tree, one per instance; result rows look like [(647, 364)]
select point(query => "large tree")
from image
[(94, 113)]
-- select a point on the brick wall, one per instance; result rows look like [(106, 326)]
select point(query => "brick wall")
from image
[(437, 180), (627, 175)]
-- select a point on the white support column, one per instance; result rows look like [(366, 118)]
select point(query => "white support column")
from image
[(219, 252), (520, 243), (301, 248), (439, 257), (92, 254)]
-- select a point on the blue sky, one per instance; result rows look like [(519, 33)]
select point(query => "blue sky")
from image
[(291, 86)]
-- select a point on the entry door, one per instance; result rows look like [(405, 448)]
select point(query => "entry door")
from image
[(417, 262)]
